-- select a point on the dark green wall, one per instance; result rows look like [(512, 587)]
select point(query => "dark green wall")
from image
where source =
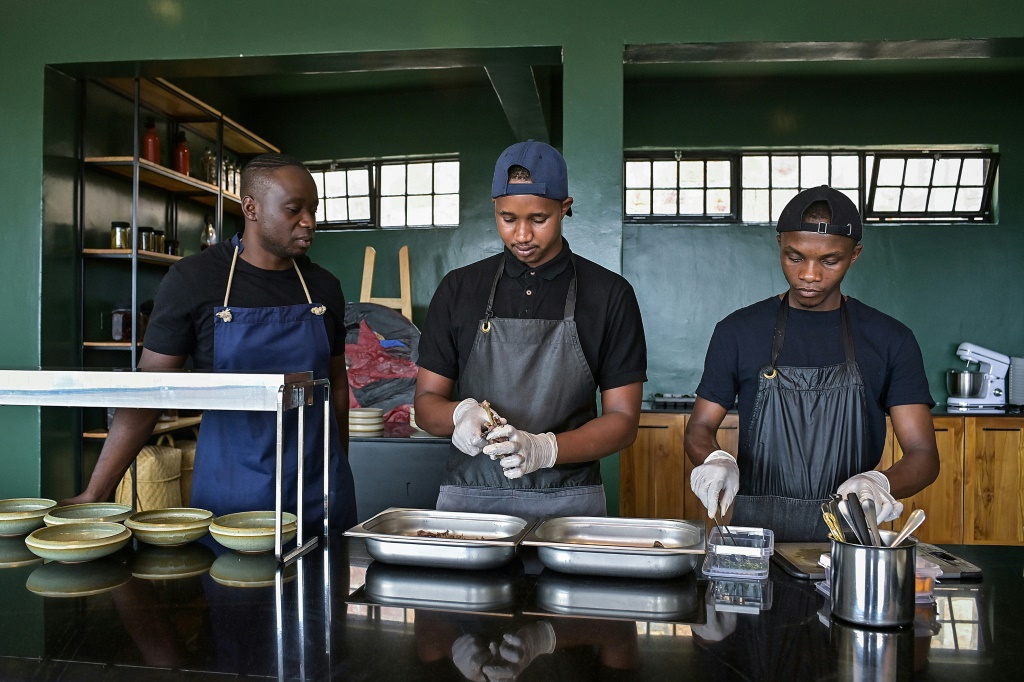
[(592, 35), (949, 283)]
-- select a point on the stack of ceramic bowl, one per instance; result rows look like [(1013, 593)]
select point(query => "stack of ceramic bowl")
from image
[(81, 532), (365, 422), (412, 418)]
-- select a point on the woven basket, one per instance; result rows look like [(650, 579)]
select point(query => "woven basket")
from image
[(188, 458), (159, 468)]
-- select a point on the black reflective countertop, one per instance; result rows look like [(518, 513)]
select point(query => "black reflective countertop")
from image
[(165, 614)]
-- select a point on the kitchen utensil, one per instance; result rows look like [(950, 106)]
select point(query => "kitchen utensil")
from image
[(860, 523), (872, 519), (622, 547), (832, 522), (914, 521), (964, 383), (725, 533), (844, 510), (873, 585)]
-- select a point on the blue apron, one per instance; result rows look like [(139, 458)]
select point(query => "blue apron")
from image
[(235, 454)]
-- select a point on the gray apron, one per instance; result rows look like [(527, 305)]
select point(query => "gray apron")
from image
[(807, 434), (535, 375)]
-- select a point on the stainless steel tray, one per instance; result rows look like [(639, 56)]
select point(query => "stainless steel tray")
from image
[(479, 540), (615, 598), (444, 589), (622, 547)]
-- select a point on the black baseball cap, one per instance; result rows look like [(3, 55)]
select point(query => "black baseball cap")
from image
[(845, 216), (546, 166)]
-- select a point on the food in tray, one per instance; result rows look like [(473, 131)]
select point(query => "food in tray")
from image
[(447, 535), (658, 545)]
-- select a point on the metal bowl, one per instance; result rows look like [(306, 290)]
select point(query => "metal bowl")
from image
[(963, 384)]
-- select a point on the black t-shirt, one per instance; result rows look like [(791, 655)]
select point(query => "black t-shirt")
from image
[(607, 314), (887, 355), (182, 319)]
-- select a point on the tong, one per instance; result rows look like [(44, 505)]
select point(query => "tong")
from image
[(832, 522)]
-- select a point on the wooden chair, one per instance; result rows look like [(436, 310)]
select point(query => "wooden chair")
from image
[(404, 300)]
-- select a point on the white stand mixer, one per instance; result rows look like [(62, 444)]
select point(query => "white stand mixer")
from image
[(994, 366)]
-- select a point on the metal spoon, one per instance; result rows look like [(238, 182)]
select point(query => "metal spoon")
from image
[(915, 519), (871, 516)]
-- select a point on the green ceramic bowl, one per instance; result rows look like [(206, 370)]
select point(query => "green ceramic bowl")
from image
[(14, 553), (171, 563), (251, 531), (22, 515), (74, 542), (169, 527), (248, 570), (93, 512), (77, 580)]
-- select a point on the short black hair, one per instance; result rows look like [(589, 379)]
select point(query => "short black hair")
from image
[(520, 174), (817, 212), (258, 170)]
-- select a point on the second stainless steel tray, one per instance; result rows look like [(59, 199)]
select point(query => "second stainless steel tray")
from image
[(619, 547), (424, 537)]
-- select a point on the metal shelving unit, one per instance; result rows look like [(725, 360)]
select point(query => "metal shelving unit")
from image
[(270, 392)]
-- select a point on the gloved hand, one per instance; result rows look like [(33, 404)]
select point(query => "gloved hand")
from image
[(471, 423), (873, 485), (523, 452), (519, 649), (718, 475), (470, 653), (718, 625)]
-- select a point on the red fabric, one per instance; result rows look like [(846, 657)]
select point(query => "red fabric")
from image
[(368, 362), (398, 415)]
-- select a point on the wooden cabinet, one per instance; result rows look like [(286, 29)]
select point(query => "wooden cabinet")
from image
[(994, 481), (943, 500), (654, 473)]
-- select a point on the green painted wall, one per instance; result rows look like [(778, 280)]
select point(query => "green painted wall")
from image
[(948, 283), (591, 34)]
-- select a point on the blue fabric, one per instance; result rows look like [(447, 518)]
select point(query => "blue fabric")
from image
[(235, 455)]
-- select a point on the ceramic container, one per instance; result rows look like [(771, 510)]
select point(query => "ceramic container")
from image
[(94, 512), (170, 527), (251, 531), (21, 515), (74, 542)]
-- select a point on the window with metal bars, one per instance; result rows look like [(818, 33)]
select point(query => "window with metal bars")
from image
[(754, 187), (387, 193)]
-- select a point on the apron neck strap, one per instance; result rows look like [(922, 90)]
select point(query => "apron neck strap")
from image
[(231, 277), (780, 330), (569, 313)]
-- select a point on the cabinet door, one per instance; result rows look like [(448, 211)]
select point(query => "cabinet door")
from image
[(943, 500), (994, 481), (651, 476), (729, 440)]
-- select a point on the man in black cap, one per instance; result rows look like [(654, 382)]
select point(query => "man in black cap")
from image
[(535, 330), (814, 374)]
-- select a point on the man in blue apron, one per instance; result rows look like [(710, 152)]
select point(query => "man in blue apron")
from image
[(254, 303), (535, 330), (813, 373)]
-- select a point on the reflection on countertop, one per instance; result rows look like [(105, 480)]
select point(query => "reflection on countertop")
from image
[(399, 430)]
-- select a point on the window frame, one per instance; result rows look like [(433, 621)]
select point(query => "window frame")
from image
[(375, 165), (867, 174)]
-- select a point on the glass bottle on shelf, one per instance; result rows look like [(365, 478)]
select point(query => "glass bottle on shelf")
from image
[(182, 156), (151, 143), (209, 163), (229, 177), (209, 236)]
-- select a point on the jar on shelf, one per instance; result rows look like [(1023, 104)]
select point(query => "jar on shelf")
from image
[(229, 177), (151, 143), (120, 235), (209, 164), (181, 154), (158, 241), (121, 322), (146, 238), (171, 247)]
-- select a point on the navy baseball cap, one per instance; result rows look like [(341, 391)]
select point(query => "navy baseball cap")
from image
[(546, 166), (845, 216)]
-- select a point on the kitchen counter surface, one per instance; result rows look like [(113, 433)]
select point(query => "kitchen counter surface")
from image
[(338, 615)]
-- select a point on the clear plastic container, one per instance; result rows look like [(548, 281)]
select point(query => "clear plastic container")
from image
[(742, 553), (742, 596)]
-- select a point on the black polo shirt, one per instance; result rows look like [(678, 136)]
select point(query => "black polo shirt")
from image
[(607, 315)]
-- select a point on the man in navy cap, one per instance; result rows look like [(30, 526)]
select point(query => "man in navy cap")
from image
[(814, 374), (536, 331)]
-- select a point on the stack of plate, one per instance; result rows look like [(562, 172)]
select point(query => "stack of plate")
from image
[(365, 422)]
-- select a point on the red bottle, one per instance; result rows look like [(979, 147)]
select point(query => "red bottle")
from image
[(181, 155), (151, 143)]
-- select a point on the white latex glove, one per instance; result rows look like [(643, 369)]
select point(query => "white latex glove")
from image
[(718, 625), (523, 452), (519, 649), (470, 653), (471, 423), (873, 485), (719, 475)]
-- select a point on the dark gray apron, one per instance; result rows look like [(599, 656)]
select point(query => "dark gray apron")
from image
[(807, 434), (535, 375)]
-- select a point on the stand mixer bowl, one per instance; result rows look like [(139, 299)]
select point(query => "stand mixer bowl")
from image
[(964, 384)]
